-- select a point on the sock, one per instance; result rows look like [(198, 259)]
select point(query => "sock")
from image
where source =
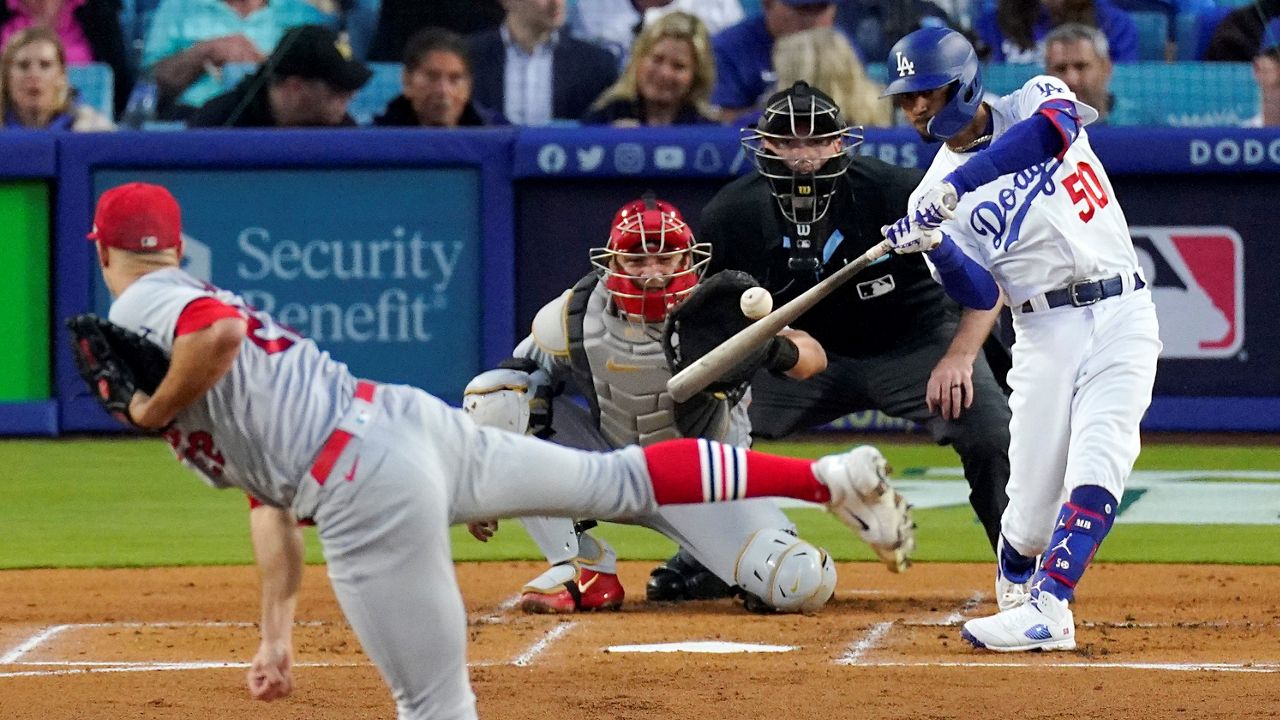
[(1014, 566), (702, 471), (1085, 519)]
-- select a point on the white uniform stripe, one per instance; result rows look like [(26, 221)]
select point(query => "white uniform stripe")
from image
[(741, 483), (717, 471), (705, 450)]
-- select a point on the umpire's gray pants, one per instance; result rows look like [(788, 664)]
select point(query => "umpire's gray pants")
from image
[(895, 384)]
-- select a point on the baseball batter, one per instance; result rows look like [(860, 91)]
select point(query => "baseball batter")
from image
[(1017, 205), (603, 338), (384, 470)]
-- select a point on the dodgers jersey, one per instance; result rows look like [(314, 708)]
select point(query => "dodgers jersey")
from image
[(260, 426), (1047, 226)]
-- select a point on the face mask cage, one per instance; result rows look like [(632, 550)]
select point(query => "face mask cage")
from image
[(637, 237)]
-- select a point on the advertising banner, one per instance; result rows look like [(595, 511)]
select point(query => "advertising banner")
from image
[(380, 267), (24, 291)]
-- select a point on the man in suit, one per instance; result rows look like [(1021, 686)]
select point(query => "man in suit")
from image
[(532, 72)]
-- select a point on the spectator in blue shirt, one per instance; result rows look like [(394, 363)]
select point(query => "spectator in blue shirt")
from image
[(532, 72), (667, 81), (744, 52), (1015, 30)]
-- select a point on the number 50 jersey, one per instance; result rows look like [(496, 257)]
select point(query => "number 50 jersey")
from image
[(261, 425), (1049, 225)]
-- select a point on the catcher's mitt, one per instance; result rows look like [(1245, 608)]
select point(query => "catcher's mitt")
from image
[(711, 314), (115, 362)]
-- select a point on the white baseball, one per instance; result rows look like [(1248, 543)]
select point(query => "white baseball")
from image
[(756, 302)]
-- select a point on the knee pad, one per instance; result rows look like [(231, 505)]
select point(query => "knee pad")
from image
[(787, 573)]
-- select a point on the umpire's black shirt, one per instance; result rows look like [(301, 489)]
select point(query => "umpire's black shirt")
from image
[(880, 308)]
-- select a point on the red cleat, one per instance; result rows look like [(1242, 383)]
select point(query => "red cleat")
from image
[(567, 588)]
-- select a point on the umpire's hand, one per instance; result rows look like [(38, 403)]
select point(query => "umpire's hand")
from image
[(950, 388)]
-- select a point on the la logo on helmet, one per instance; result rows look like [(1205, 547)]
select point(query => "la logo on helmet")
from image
[(905, 66)]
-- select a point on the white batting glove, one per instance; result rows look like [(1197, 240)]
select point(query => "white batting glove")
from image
[(937, 205), (908, 235)]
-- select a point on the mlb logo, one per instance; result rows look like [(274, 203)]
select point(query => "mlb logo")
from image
[(1196, 276), (875, 288)]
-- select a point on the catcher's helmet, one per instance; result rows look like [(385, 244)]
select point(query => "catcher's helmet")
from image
[(650, 228), (934, 57)]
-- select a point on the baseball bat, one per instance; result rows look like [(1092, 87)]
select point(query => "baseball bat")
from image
[(706, 369)]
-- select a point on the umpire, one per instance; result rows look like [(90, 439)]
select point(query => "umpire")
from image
[(894, 341)]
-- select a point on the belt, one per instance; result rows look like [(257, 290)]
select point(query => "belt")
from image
[(1086, 292), (338, 439)]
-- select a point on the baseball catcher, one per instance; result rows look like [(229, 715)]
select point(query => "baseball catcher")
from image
[(115, 363), (615, 338)]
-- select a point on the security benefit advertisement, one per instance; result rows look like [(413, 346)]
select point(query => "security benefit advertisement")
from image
[(1207, 246), (380, 267)]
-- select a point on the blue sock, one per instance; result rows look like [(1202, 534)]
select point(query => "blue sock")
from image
[(1015, 566), (1085, 519)]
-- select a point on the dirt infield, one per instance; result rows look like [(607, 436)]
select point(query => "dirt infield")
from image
[(1155, 642)]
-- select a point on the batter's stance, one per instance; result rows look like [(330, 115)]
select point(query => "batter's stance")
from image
[(1017, 204), (383, 470)]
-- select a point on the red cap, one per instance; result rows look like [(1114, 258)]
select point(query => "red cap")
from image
[(138, 217)]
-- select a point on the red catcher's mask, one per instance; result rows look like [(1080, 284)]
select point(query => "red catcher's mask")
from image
[(650, 228)]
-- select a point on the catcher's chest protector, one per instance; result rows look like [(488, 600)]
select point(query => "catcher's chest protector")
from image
[(623, 363)]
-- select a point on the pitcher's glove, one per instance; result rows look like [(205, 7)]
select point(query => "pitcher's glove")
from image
[(115, 362), (711, 314)]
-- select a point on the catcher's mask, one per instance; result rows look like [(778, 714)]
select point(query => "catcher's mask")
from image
[(802, 145), (651, 261)]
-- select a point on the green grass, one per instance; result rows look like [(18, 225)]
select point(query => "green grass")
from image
[(126, 503)]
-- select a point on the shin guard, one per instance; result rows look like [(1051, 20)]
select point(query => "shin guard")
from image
[(1083, 522)]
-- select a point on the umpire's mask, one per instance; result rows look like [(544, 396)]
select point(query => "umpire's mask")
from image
[(802, 145)]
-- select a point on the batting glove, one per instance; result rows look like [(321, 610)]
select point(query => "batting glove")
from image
[(910, 235), (937, 205)]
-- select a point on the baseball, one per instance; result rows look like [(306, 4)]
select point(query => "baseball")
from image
[(756, 303)]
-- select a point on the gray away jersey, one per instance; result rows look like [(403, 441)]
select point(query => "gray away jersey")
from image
[(261, 425)]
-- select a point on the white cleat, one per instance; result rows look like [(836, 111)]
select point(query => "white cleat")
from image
[(863, 499), (1040, 623), (1010, 594)]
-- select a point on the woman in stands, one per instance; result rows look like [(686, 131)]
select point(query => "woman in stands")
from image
[(667, 81), (824, 58), (89, 31), (34, 91)]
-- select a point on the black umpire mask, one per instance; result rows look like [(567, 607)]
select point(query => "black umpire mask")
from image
[(803, 187)]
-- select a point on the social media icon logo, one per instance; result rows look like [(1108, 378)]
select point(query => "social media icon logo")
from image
[(628, 158), (707, 158), (668, 157), (590, 158), (552, 158)]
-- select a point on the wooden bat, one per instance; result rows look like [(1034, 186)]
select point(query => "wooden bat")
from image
[(706, 369)]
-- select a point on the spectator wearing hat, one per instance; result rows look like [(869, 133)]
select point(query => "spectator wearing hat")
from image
[(532, 72), (308, 81), (189, 41), (436, 83), (1242, 34), (744, 52)]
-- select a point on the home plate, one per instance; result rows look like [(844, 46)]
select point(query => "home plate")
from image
[(701, 646)]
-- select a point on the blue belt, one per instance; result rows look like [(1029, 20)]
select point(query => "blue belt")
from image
[(1086, 292)]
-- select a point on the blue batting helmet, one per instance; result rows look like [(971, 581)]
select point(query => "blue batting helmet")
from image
[(935, 57)]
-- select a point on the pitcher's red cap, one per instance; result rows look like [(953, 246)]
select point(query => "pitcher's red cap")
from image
[(139, 217)]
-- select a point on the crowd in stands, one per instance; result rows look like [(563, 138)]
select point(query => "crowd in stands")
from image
[(626, 63)]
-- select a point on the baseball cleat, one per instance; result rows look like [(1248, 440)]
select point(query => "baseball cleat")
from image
[(1010, 594), (863, 499), (682, 578), (1042, 622), (567, 588)]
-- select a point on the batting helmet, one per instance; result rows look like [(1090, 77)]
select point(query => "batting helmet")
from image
[(806, 113), (650, 228), (935, 57)]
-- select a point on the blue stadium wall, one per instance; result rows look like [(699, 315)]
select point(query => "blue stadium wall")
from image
[(421, 256)]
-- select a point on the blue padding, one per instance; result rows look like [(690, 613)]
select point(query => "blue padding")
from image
[(28, 155), (1232, 414), (38, 417)]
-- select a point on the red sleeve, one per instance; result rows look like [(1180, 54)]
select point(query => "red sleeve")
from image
[(255, 502), (201, 313)]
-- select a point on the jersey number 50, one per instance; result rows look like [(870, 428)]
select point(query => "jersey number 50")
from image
[(1083, 186)]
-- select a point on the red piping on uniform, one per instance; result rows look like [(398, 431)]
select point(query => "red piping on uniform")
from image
[(337, 442)]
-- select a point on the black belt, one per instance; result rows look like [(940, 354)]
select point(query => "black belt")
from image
[(1086, 292)]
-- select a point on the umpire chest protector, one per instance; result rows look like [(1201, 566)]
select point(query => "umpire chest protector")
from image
[(620, 367)]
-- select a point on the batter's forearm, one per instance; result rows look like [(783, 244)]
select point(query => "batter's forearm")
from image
[(279, 552)]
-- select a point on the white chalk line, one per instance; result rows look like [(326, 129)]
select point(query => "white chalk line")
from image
[(1171, 667), (964, 610), (868, 641), (32, 643), (525, 658)]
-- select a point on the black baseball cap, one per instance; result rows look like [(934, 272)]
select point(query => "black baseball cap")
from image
[(317, 53)]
